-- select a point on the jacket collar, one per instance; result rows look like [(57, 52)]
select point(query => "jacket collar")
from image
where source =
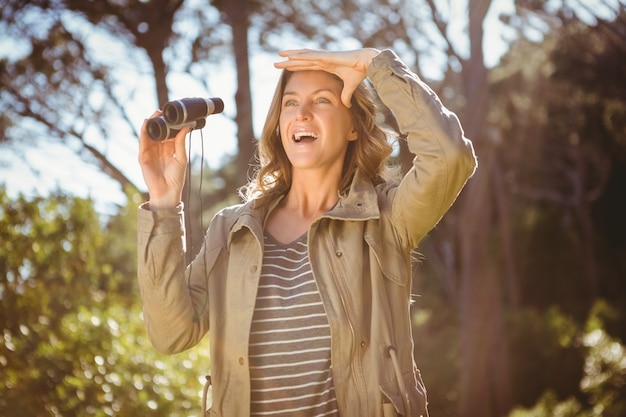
[(360, 203)]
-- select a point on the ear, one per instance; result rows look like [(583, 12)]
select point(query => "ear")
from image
[(353, 135)]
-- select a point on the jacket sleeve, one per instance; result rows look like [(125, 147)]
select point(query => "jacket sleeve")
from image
[(171, 295), (444, 158)]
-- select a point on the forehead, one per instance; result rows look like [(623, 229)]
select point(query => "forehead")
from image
[(310, 81)]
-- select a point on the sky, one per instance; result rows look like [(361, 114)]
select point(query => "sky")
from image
[(35, 170)]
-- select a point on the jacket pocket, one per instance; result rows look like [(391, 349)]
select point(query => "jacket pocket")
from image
[(389, 410), (394, 264), (393, 404)]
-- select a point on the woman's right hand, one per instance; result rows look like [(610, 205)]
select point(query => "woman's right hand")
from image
[(163, 165)]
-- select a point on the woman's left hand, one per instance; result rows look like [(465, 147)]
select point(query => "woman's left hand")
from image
[(350, 66)]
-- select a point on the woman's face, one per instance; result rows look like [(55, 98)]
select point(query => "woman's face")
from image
[(315, 126)]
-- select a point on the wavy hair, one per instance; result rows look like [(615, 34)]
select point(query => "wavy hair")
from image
[(369, 153)]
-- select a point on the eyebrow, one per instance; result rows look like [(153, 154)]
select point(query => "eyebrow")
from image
[(321, 90)]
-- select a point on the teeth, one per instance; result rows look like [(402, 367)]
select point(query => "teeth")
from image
[(298, 136)]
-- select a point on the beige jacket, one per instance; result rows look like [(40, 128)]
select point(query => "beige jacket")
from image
[(360, 257)]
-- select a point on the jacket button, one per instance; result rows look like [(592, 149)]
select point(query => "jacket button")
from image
[(339, 254), (240, 361), (363, 344)]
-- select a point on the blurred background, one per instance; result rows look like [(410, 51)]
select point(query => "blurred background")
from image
[(520, 305)]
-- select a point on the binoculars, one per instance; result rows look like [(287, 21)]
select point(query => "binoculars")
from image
[(180, 114)]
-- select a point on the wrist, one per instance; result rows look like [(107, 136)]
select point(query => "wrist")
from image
[(369, 54), (163, 203)]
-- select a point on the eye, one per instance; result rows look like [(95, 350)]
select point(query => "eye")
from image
[(287, 103), (323, 100)]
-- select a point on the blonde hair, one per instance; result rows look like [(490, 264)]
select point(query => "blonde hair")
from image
[(370, 152)]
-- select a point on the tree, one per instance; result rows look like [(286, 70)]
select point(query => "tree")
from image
[(73, 339), (559, 100), (485, 368), (58, 88)]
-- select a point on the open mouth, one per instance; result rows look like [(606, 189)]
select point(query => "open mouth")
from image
[(304, 136)]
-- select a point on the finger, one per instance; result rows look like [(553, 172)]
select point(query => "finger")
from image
[(304, 55), (346, 93), (144, 126), (300, 65), (346, 98), (179, 145), (144, 140), (297, 52)]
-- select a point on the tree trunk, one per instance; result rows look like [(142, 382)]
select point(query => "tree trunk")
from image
[(485, 387), (237, 11), (513, 297)]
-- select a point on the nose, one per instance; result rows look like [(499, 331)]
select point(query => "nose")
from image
[(304, 112)]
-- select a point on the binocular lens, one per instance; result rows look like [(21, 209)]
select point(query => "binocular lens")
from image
[(192, 108), (179, 114), (159, 130)]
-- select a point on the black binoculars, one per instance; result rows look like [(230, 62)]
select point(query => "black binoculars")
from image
[(180, 114)]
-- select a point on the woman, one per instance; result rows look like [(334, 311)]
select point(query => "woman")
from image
[(306, 286)]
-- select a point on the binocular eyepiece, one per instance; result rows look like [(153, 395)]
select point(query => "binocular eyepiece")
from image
[(185, 113)]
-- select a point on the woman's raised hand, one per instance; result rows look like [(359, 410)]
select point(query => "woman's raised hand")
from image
[(163, 165), (350, 66)]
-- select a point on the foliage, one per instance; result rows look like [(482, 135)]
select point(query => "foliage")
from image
[(547, 352), (73, 339), (603, 383), (560, 104), (436, 333)]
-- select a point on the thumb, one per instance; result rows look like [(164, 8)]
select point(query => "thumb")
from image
[(346, 93), (179, 145)]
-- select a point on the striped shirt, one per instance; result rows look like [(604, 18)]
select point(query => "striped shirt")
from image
[(290, 367)]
